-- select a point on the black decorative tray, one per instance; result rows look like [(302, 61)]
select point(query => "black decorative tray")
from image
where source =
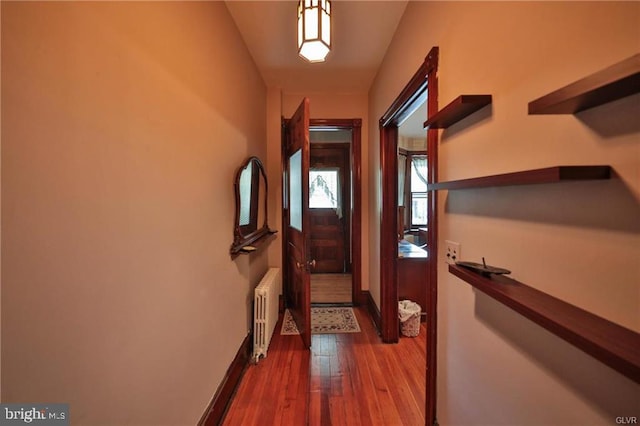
[(483, 268)]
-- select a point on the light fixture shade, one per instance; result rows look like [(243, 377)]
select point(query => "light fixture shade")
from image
[(314, 29)]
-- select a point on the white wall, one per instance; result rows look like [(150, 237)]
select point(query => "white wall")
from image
[(123, 125), (577, 241)]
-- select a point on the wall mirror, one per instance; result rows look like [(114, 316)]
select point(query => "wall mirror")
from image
[(251, 207)]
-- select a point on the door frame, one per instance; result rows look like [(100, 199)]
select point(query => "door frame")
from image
[(355, 125), (425, 78)]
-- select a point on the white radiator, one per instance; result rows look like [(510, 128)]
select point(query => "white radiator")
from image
[(265, 311)]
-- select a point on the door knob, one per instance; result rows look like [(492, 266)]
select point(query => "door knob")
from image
[(308, 265)]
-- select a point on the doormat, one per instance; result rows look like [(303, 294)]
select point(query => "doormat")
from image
[(330, 320)]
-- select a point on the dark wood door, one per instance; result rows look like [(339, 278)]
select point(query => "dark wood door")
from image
[(327, 241), (296, 197), (329, 212)]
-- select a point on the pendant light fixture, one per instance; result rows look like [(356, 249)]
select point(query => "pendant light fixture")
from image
[(314, 29)]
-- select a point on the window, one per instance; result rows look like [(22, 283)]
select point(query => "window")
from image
[(418, 194), (324, 189), (412, 188), (295, 190), (402, 177)]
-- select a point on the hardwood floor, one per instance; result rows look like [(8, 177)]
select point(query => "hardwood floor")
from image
[(331, 288), (351, 379)]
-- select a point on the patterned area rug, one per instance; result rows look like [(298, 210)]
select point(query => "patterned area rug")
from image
[(325, 321)]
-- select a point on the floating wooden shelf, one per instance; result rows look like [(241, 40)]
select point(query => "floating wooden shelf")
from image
[(529, 177), (606, 341), (615, 82), (458, 109), (258, 244)]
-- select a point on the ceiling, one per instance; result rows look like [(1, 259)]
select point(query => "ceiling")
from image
[(362, 31), (413, 126)]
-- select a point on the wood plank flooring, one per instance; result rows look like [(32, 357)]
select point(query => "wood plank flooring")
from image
[(346, 379), (331, 288)]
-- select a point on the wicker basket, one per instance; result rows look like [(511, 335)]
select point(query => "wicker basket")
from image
[(411, 327)]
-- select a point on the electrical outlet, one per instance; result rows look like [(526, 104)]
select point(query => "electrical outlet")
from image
[(453, 252)]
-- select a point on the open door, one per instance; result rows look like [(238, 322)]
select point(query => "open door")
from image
[(296, 203)]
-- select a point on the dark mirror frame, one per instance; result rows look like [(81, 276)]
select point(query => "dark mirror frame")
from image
[(245, 235)]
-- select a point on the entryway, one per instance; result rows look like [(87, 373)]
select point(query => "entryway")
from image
[(394, 217), (330, 190), (335, 191)]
